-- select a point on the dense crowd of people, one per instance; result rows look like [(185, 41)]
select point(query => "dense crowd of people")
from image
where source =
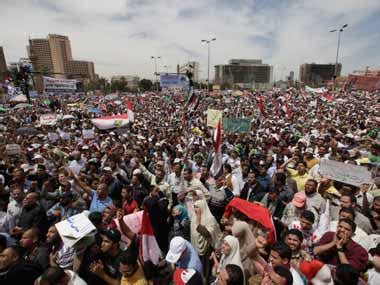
[(268, 216)]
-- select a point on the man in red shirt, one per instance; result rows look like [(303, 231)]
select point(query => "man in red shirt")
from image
[(338, 248)]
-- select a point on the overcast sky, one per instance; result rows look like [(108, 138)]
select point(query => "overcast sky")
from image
[(120, 36)]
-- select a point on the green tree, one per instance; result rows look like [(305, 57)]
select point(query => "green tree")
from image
[(145, 84)]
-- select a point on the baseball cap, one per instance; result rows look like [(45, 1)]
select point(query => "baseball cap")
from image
[(113, 235), (176, 248), (37, 156), (309, 150), (299, 199)]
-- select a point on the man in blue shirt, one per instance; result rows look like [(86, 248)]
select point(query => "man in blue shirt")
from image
[(99, 198)]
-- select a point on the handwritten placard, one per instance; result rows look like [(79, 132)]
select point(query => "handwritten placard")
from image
[(13, 149), (346, 173), (73, 229)]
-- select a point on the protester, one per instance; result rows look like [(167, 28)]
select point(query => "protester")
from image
[(261, 205)]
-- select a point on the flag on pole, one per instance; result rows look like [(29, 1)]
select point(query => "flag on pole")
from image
[(261, 105), (131, 114), (327, 97), (218, 158), (288, 111), (149, 249), (110, 122)]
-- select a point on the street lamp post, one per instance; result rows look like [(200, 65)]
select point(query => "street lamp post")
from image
[(208, 61), (339, 30), (155, 67)]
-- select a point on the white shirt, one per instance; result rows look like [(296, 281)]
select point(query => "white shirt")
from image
[(176, 183), (297, 280), (373, 277)]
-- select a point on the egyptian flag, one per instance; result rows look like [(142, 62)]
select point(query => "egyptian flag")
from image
[(218, 158), (261, 105), (288, 111), (110, 122), (327, 97), (131, 114), (254, 212), (192, 102), (149, 249)]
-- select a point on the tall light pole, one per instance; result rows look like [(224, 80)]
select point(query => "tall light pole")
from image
[(155, 66), (339, 30), (208, 61)]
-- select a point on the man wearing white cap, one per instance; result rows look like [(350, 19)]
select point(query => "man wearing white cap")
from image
[(183, 255)]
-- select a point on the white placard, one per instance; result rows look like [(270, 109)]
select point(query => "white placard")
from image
[(346, 173), (13, 149), (48, 119), (73, 229), (88, 134)]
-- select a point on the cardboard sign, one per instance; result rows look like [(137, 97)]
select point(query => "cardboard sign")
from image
[(48, 119), (75, 228), (88, 134), (13, 149), (53, 137), (213, 117), (346, 173), (133, 221), (236, 125)]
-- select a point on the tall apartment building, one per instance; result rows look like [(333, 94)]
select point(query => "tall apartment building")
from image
[(53, 55), (246, 73), (314, 74), (3, 66), (195, 67)]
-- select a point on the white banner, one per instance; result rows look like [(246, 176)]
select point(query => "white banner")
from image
[(346, 173), (52, 84), (48, 119), (315, 90)]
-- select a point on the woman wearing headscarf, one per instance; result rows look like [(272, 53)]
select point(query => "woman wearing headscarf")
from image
[(205, 233), (158, 217), (230, 250), (247, 244), (180, 225)]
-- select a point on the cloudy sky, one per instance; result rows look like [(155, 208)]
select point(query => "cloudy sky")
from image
[(120, 36)]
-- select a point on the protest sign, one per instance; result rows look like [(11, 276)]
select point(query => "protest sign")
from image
[(88, 134), (213, 117), (55, 84), (53, 137), (13, 149), (346, 173), (74, 228), (48, 119), (236, 125), (133, 221), (173, 81)]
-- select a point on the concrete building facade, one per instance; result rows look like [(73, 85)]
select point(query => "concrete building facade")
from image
[(315, 75), (53, 56), (195, 67), (245, 73)]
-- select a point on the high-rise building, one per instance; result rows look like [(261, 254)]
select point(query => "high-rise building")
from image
[(314, 74), (132, 80), (194, 65), (53, 56), (246, 73), (3, 66)]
